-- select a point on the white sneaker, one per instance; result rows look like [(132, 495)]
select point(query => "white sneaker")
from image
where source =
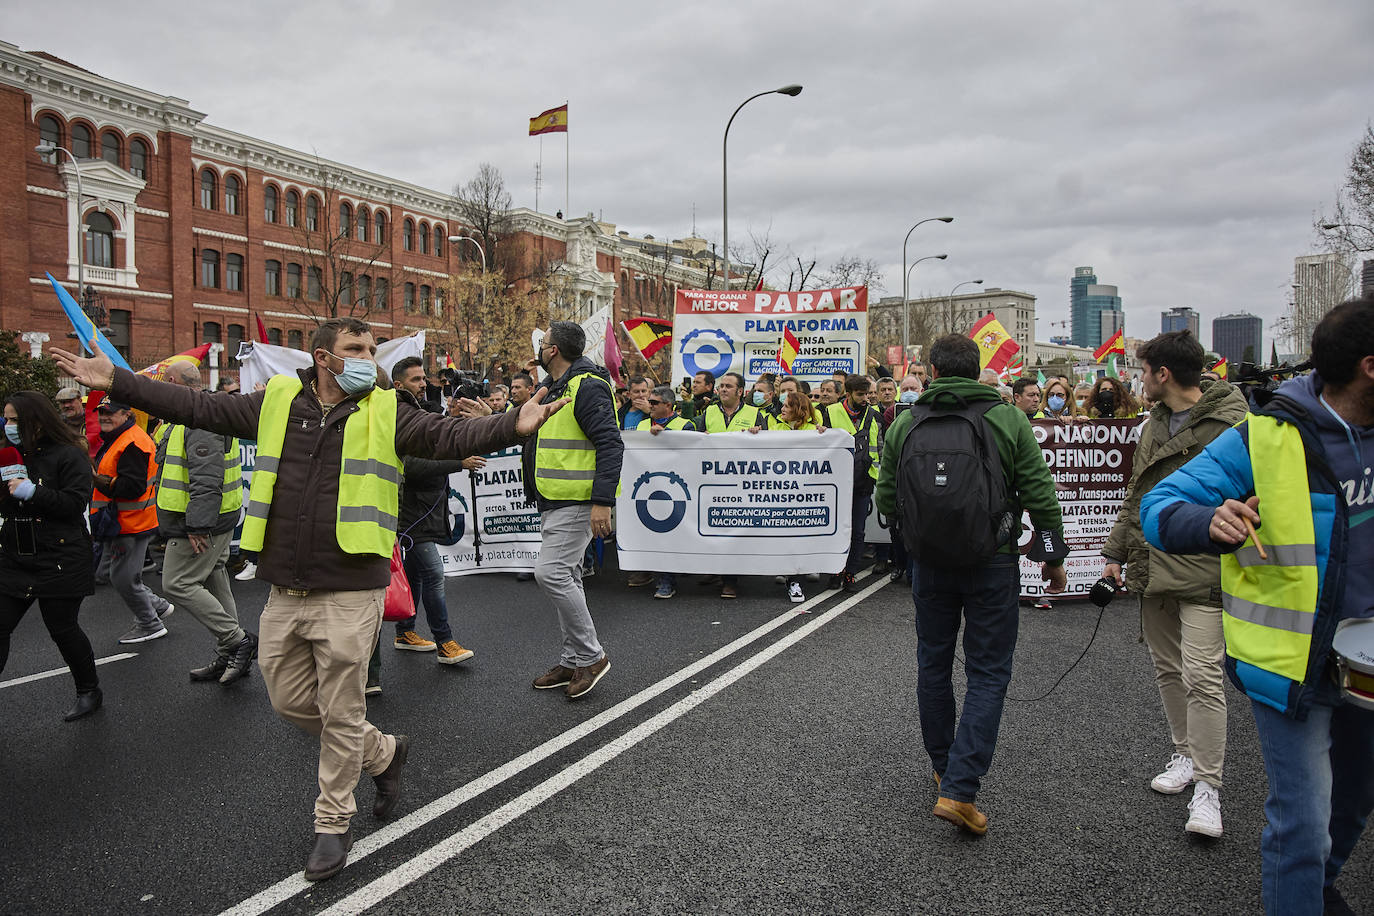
[(1204, 811), (794, 593), (1178, 773), (249, 571)]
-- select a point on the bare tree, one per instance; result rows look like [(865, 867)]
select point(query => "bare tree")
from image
[(491, 315), (483, 206), (1349, 228), (797, 279), (852, 270)]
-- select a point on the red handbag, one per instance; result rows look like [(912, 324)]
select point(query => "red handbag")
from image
[(400, 604)]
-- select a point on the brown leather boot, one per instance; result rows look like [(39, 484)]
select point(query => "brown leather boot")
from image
[(329, 856), (962, 814)]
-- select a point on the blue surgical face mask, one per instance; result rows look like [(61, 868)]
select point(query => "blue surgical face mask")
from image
[(782, 398), (760, 399), (12, 431), (910, 396), (1078, 401), (358, 374), (1056, 402)]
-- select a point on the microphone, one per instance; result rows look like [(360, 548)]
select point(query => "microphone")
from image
[(12, 463)]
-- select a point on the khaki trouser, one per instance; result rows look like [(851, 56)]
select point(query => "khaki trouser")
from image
[(199, 584), (1187, 645), (313, 653)]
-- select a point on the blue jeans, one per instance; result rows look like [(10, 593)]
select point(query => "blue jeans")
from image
[(1321, 790), (425, 570), (984, 599)]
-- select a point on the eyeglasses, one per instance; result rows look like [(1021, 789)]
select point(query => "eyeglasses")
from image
[(655, 403)]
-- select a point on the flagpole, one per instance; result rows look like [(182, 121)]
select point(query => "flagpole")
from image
[(567, 164), (538, 173)]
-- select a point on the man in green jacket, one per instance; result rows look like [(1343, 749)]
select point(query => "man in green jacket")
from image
[(984, 597), (1180, 594)]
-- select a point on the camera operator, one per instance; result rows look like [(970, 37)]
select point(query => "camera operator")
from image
[(696, 394)]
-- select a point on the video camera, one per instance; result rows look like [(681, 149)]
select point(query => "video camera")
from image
[(1257, 381), (471, 387)]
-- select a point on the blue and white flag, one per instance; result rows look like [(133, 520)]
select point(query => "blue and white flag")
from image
[(85, 330)]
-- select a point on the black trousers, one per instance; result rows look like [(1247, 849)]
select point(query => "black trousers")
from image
[(59, 615)]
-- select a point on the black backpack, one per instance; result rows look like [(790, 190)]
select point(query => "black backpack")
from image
[(951, 491)]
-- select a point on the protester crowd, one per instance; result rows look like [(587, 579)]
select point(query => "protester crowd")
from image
[(352, 467)]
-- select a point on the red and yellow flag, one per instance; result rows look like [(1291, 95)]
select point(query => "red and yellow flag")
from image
[(1115, 344), (788, 348), (553, 121), (995, 346), (1220, 368), (448, 361), (649, 335), (195, 356)]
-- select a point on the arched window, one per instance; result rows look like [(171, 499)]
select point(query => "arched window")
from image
[(293, 207), (312, 213), (408, 235), (314, 285), (233, 273), (408, 298), (50, 132), (81, 141), (293, 281), (209, 332), (99, 240), (383, 297), (272, 276), (209, 268), (424, 299), (345, 227), (364, 290), (424, 238), (231, 195), (109, 147), (361, 234), (345, 288), (138, 158), (438, 241), (207, 190), (379, 227), (274, 336), (294, 339), (269, 204)]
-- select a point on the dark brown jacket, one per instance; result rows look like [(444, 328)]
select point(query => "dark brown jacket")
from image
[(300, 549)]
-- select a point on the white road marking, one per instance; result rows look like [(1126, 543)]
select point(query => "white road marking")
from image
[(56, 671), (422, 864), (289, 887)]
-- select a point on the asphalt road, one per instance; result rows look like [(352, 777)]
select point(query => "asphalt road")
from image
[(738, 758)]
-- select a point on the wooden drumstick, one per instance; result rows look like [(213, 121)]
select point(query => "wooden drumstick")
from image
[(1250, 530)]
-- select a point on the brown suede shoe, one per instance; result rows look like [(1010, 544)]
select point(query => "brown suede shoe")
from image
[(584, 679), (557, 676), (962, 814)]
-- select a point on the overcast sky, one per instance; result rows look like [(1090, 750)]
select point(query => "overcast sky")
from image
[(1180, 148)]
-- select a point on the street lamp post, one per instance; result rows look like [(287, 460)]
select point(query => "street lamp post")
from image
[(481, 293), (792, 90), (45, 148), (950, 299), (906, 286)]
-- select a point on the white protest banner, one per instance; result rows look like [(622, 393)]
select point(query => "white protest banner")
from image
[(770, 503), (738, 331), (1091, 465), (266, 360), (487, 509)]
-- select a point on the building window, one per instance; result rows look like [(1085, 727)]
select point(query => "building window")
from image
[(207, 190), (312, 213), (272, 276), (209, 268), (379, 227), (269, 204), (424, 300), (361, 233), (383, 299), (109, 147), (424, 238), (231, 346), (293, 206), (233, 273), (314, 284), (231, 195), (408, 298), (438, 303), (99, 240), (138, 158), (50, 132), (364, 297), (345, 220), (294, 340), (293, 281), (274, 336), (408, 235), (345, 288), (209, 332), (119, 337), (438, 241), (81, 141)]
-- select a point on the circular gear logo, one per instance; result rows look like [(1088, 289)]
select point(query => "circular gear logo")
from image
[(707, 350), (660, 499)]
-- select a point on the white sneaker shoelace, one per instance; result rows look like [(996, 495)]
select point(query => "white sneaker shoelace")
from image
[(1204, 811)]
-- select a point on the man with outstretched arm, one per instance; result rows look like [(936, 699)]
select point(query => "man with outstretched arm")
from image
[(322, 512)]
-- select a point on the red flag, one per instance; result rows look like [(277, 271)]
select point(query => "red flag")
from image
[(612, 356), (759, 285), (262, 331)]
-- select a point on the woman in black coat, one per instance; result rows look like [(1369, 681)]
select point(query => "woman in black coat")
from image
[(45, 548)]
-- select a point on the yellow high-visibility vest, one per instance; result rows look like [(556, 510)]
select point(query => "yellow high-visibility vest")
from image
[(837, 417), (174, 491), (564, 458), (747, 417), (674, 422), (369, 475)]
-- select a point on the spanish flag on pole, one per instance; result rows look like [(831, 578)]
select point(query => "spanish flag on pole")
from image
[(788, 348), (996, 348), (649, 335), (553, 121), (1115, 344)]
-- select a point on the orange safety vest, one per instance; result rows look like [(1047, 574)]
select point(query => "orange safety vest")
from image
[(137, 515)]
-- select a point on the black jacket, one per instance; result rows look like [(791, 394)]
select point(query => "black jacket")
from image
[(424, 494), (595, 413), (45, 550)]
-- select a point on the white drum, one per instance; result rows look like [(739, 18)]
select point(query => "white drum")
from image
[(1354, 649)]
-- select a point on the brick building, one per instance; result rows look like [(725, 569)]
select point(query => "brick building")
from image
[(188, 231)]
